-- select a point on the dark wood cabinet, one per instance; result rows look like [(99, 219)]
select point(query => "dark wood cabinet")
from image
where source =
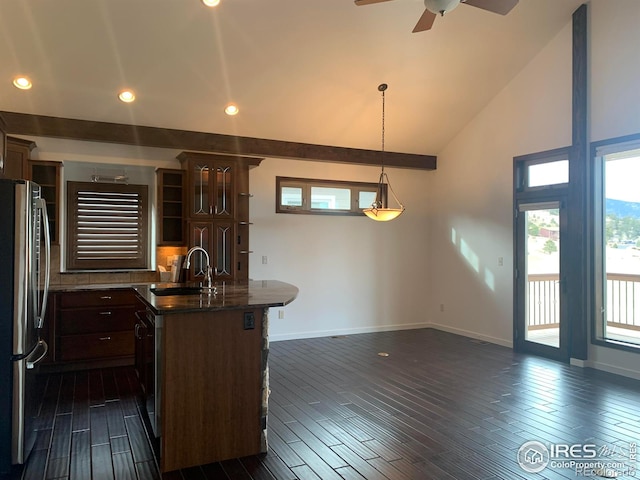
[(145, 360), (47, 175), (3, 145), (211, 184), (94, 325), (171, 210), (218, 212), (16, 164), (217, 238)]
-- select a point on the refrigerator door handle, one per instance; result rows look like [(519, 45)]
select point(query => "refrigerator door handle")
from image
[(32, 363), (42, 204)]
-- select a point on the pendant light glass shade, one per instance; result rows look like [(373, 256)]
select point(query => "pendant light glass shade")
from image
[(383, 214), (379, 210)]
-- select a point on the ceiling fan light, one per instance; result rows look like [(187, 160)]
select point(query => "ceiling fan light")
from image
[(441, 6)]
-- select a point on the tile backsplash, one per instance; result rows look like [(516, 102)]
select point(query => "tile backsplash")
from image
[(94, 278)]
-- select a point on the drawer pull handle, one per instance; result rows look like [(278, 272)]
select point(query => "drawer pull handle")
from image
[(104, 338), (105, 313), (106, 297)]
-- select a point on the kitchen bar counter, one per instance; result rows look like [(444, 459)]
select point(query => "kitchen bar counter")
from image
[(229, 296), (208, 386)]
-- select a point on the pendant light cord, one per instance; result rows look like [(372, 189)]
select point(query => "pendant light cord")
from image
[(382, 88)]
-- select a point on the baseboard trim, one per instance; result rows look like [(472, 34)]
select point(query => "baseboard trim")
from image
[(345, 331), (605, 367), (470, 334)]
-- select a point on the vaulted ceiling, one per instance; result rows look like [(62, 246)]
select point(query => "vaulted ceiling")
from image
[(300, 71)]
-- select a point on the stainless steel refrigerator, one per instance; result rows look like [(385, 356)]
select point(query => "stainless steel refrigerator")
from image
[(24, 283)]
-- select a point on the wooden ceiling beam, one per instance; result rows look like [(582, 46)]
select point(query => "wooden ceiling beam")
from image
[(45, 126)]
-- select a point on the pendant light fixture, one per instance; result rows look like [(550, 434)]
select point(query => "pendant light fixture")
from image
[(379, 210)]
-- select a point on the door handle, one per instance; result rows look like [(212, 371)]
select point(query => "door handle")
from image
[(32, 363), (47, 266)]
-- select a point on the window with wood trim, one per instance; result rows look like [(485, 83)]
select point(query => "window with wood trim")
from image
[(616, 243), (107, 226), (323, 197)]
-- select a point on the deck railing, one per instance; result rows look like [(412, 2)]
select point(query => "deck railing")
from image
[(543, 300), (623, 301)]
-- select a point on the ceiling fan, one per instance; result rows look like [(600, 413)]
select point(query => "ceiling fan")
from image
[(435, 7)]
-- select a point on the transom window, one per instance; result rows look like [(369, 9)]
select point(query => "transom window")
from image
[(313, 196)]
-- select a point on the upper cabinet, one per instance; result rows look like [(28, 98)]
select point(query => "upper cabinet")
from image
[(170, 206), (16, 162), (211, 185), (217, 196)]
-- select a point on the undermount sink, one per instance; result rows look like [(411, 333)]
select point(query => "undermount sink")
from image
[(175, 289)]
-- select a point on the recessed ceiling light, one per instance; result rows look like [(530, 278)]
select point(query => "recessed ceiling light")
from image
[(231, 109), (211, 3), (23, 83), (127, 96)]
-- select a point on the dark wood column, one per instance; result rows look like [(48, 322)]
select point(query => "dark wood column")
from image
[(577, 277)]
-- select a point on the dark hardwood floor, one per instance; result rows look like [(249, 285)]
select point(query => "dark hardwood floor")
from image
[(439, 406)]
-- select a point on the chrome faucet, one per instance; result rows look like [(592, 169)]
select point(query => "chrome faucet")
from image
[(207, 275)]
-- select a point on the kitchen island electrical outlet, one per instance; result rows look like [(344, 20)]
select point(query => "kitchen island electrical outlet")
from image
[(249, 321), (280, 313)]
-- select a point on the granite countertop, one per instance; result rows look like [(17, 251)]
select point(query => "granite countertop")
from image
[(229, 295)]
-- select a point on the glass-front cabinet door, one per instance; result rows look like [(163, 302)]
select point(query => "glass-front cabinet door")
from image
[(211, 188), (217, 239)]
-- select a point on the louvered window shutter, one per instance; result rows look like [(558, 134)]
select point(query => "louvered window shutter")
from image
[(107, 226)]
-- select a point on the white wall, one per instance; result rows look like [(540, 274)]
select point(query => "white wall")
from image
[(471, 192), (615, 68), (472, 196), (354, 275)]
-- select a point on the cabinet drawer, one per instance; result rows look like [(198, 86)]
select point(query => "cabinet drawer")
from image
[(95, 346), (96, 320), (97, 298)]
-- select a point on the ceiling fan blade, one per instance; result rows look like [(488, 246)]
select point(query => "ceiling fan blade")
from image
[(425, 22), (369, 2), (501, 7)]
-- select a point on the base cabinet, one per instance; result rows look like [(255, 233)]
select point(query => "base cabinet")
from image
[(93, 326), (145, 362)]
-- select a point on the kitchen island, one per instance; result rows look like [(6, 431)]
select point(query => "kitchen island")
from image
[(211, 374)]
